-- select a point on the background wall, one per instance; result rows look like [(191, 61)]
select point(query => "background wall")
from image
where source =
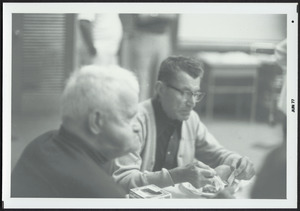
[(224, 32)]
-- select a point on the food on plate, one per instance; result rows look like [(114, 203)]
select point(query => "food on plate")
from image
[(224, 172)]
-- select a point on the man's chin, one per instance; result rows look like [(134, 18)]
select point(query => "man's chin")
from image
[(184, 117), (133, 148)]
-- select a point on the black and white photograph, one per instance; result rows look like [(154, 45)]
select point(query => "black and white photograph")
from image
[(150, 105)]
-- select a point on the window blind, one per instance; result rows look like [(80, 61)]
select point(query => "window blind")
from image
[(44, 37)]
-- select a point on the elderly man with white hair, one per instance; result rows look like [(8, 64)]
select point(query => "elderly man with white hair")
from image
[(99, 105)]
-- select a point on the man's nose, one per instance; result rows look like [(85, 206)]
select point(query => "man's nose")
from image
[(135, 127), (191, 101)]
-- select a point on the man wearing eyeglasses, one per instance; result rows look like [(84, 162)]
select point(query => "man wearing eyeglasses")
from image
[(176, 145)]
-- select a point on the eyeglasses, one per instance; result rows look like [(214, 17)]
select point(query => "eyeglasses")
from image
[(187, 94)]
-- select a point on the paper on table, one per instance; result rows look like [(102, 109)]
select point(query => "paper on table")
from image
[(231, 178)]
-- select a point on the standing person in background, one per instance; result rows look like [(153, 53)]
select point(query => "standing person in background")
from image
[(148, 40), (101, 38), (98, 109)]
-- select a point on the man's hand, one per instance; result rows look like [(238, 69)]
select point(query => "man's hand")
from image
[(197, 173), (243, 165)]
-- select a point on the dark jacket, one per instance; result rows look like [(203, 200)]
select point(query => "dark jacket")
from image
[(59, 164)]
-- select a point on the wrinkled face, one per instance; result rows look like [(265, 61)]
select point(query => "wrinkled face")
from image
[(120, 126), (173, 102)]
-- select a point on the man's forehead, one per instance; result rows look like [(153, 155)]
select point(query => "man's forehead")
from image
[(182, 74)]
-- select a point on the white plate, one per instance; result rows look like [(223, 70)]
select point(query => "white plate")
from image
[(189, 188)]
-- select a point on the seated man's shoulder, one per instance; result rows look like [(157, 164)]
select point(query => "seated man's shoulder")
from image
[(56, 170), (41, 142)]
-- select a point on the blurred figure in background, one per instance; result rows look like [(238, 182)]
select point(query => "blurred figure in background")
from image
[(98, 109), (271, 180), (147, 42), (101, 34), (281, 58)]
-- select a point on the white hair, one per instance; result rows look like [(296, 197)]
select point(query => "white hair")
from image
[(96, 87)]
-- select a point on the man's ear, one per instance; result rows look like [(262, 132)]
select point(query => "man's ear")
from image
[(158, 87), (96, 121)]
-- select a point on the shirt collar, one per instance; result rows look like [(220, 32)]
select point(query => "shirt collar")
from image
[(160, 114)]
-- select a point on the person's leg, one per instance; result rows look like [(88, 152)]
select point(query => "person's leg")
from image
[(139, 60), (161, 52)]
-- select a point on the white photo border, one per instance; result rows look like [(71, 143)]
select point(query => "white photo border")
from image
[(233, 8)]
